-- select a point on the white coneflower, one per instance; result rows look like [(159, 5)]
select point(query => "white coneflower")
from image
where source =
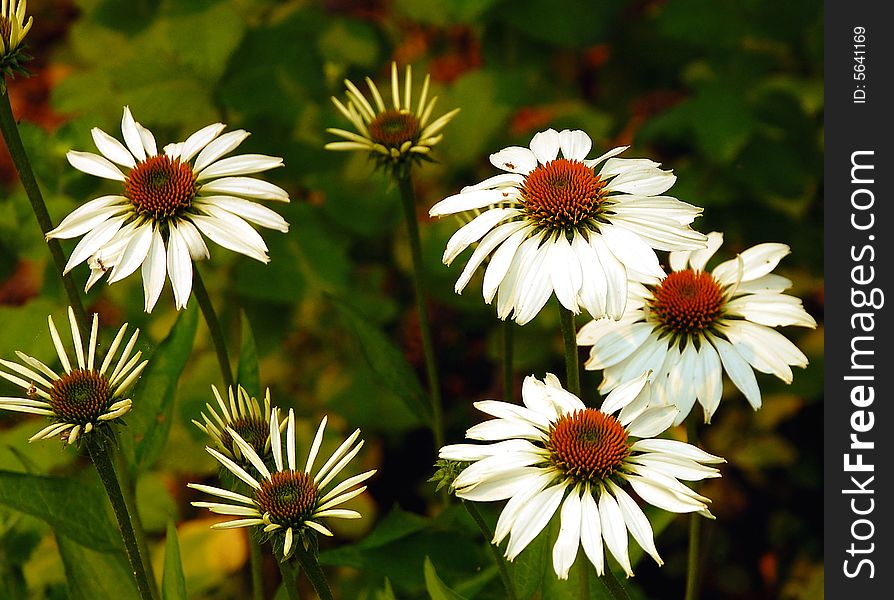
[(245, 416), (555, 454), (393, 133), (693, 325), (13, 29), (84, 396), (287, 502), (166, 203), (560, 225)]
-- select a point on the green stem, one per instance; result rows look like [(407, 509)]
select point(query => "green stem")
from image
[(498, 556), (695, 526), (217, 336), (99, 454), (572, 371), (408, 198), (289, 579), (257, 572), (10, 131), (313, 571), (507, 360)]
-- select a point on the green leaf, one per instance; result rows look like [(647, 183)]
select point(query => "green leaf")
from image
[(93, 574), (386, 361), (437, 590), (386, 593), (173, 585), (153, 405), (248, 373), (73, 507)]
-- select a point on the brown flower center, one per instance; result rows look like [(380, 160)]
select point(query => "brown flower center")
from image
[(392, 128), (687, 301), (160, 187), (588, 445), (80, 397), (253, 430), (289, 497), (562, 194)]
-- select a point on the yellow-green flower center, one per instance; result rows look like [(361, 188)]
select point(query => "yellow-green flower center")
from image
[(393, 128)]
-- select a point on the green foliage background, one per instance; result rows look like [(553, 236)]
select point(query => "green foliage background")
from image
[(729, 95)]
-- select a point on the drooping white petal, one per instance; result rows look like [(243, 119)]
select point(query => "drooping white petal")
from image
[(93, 241), (568, 541), (631, 250), (565, 272), (593, 288), (708, 379), (615, 277), (739, 371), (179, 267), (614, 531), (591, 532), (244, 164), (134, 253), (636, 521), (617, 343), (533, 518), (154, 269), (250, 211), (88, 216), (487, 245), (501, 261), (219, 232)]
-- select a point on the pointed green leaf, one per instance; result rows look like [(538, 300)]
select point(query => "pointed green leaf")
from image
[(437, 590), (386, 361), (73, 507), (93, 574), (173, 584), (153, 406)]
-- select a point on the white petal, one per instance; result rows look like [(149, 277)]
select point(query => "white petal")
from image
[(533, 518), (675, 448), (248, 210), (739, 371), (644, 181), (132, 135), (631, 250), (94, 240), (757, 261), (199, 140), (616, 166), (614, 531), (89, 215), (652, 421), (514, 159), (514, 412), (591, 532), (565, 272), (637, 522), (565, 549), (575, 144), (179, 268), (708, 379), (593, 283), (134, 253), (148, 140), (767, 283), (699, 258), (485, 247), (217, 148), (624, 394), (615, 276), (244, 164), (474, 230), (501, 261), (501, 487), (246, 187), (534, 287), (617, 344), (772, 310), (93, 164), (194, 240), (503, 180), (467, 201), (613, 152), (545, 145), (222, 232), (112, 148), (682, 383), (154, 269)]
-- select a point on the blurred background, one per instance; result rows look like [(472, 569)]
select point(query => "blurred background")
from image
[(728, 95)]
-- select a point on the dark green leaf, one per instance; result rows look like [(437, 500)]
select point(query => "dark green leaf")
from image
[(153, 406), (173, 585), (93, 574), (437, 590), (76, 508), (386, 361)]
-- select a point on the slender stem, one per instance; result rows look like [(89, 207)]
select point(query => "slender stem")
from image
[(569, 334), (257, 572), (217, 336), (289, 579), (10, 131), (128, 489), (99, 454), (408, 198), (507, 360), (498, 556), (613, 586), (695, 526), (313, 571)]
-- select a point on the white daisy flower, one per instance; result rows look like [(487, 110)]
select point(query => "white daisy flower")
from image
[(287, 502), (553, 224), (245, 416), (13, 29), (166, 203), (555, 454), (394, 133), (693, 325), (86, 394)]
